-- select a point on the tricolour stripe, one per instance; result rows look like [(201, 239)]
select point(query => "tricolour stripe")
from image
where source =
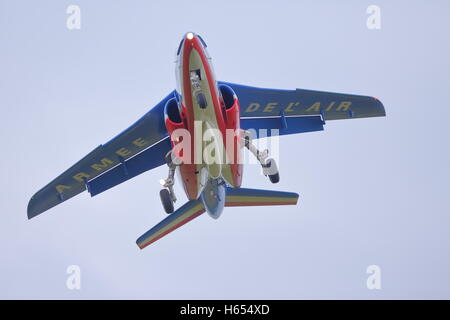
[(184, 214), (254, 197)]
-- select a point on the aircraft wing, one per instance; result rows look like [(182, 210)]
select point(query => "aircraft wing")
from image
[(139, 148), (299, 110)]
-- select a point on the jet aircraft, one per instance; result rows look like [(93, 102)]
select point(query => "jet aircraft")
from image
[(203, 114)]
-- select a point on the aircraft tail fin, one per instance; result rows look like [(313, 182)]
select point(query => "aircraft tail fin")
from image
[(237, 197), (187, 212)]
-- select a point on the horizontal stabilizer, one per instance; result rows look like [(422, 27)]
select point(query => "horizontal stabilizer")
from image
[(184, 214), (238, 197)]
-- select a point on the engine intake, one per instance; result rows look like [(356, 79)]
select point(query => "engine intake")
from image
[(231, 106), (228, 96), (173, 118), (172, 112)]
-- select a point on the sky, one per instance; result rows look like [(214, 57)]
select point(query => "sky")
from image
[(372, 191)]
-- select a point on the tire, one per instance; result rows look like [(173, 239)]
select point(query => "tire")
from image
[(275, 178), (166, 200)]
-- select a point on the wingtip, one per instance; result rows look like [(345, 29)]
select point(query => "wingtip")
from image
[(140, 245), (32, 211), (381, 106), (296, 197)]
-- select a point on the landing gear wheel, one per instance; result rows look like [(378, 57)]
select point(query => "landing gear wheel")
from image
[(269, 165), (166, 200), (272, 170), (275, 178)]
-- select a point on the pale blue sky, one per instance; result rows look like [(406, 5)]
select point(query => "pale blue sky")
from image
[(372, 191)]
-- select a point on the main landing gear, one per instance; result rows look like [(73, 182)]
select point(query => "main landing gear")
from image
[(268, 165), (167, 195)]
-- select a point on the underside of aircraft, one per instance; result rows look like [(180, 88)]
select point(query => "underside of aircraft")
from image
[(203, 106)]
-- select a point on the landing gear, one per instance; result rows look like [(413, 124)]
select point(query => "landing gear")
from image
[(268, 165), (167, 195), (195, 76)]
